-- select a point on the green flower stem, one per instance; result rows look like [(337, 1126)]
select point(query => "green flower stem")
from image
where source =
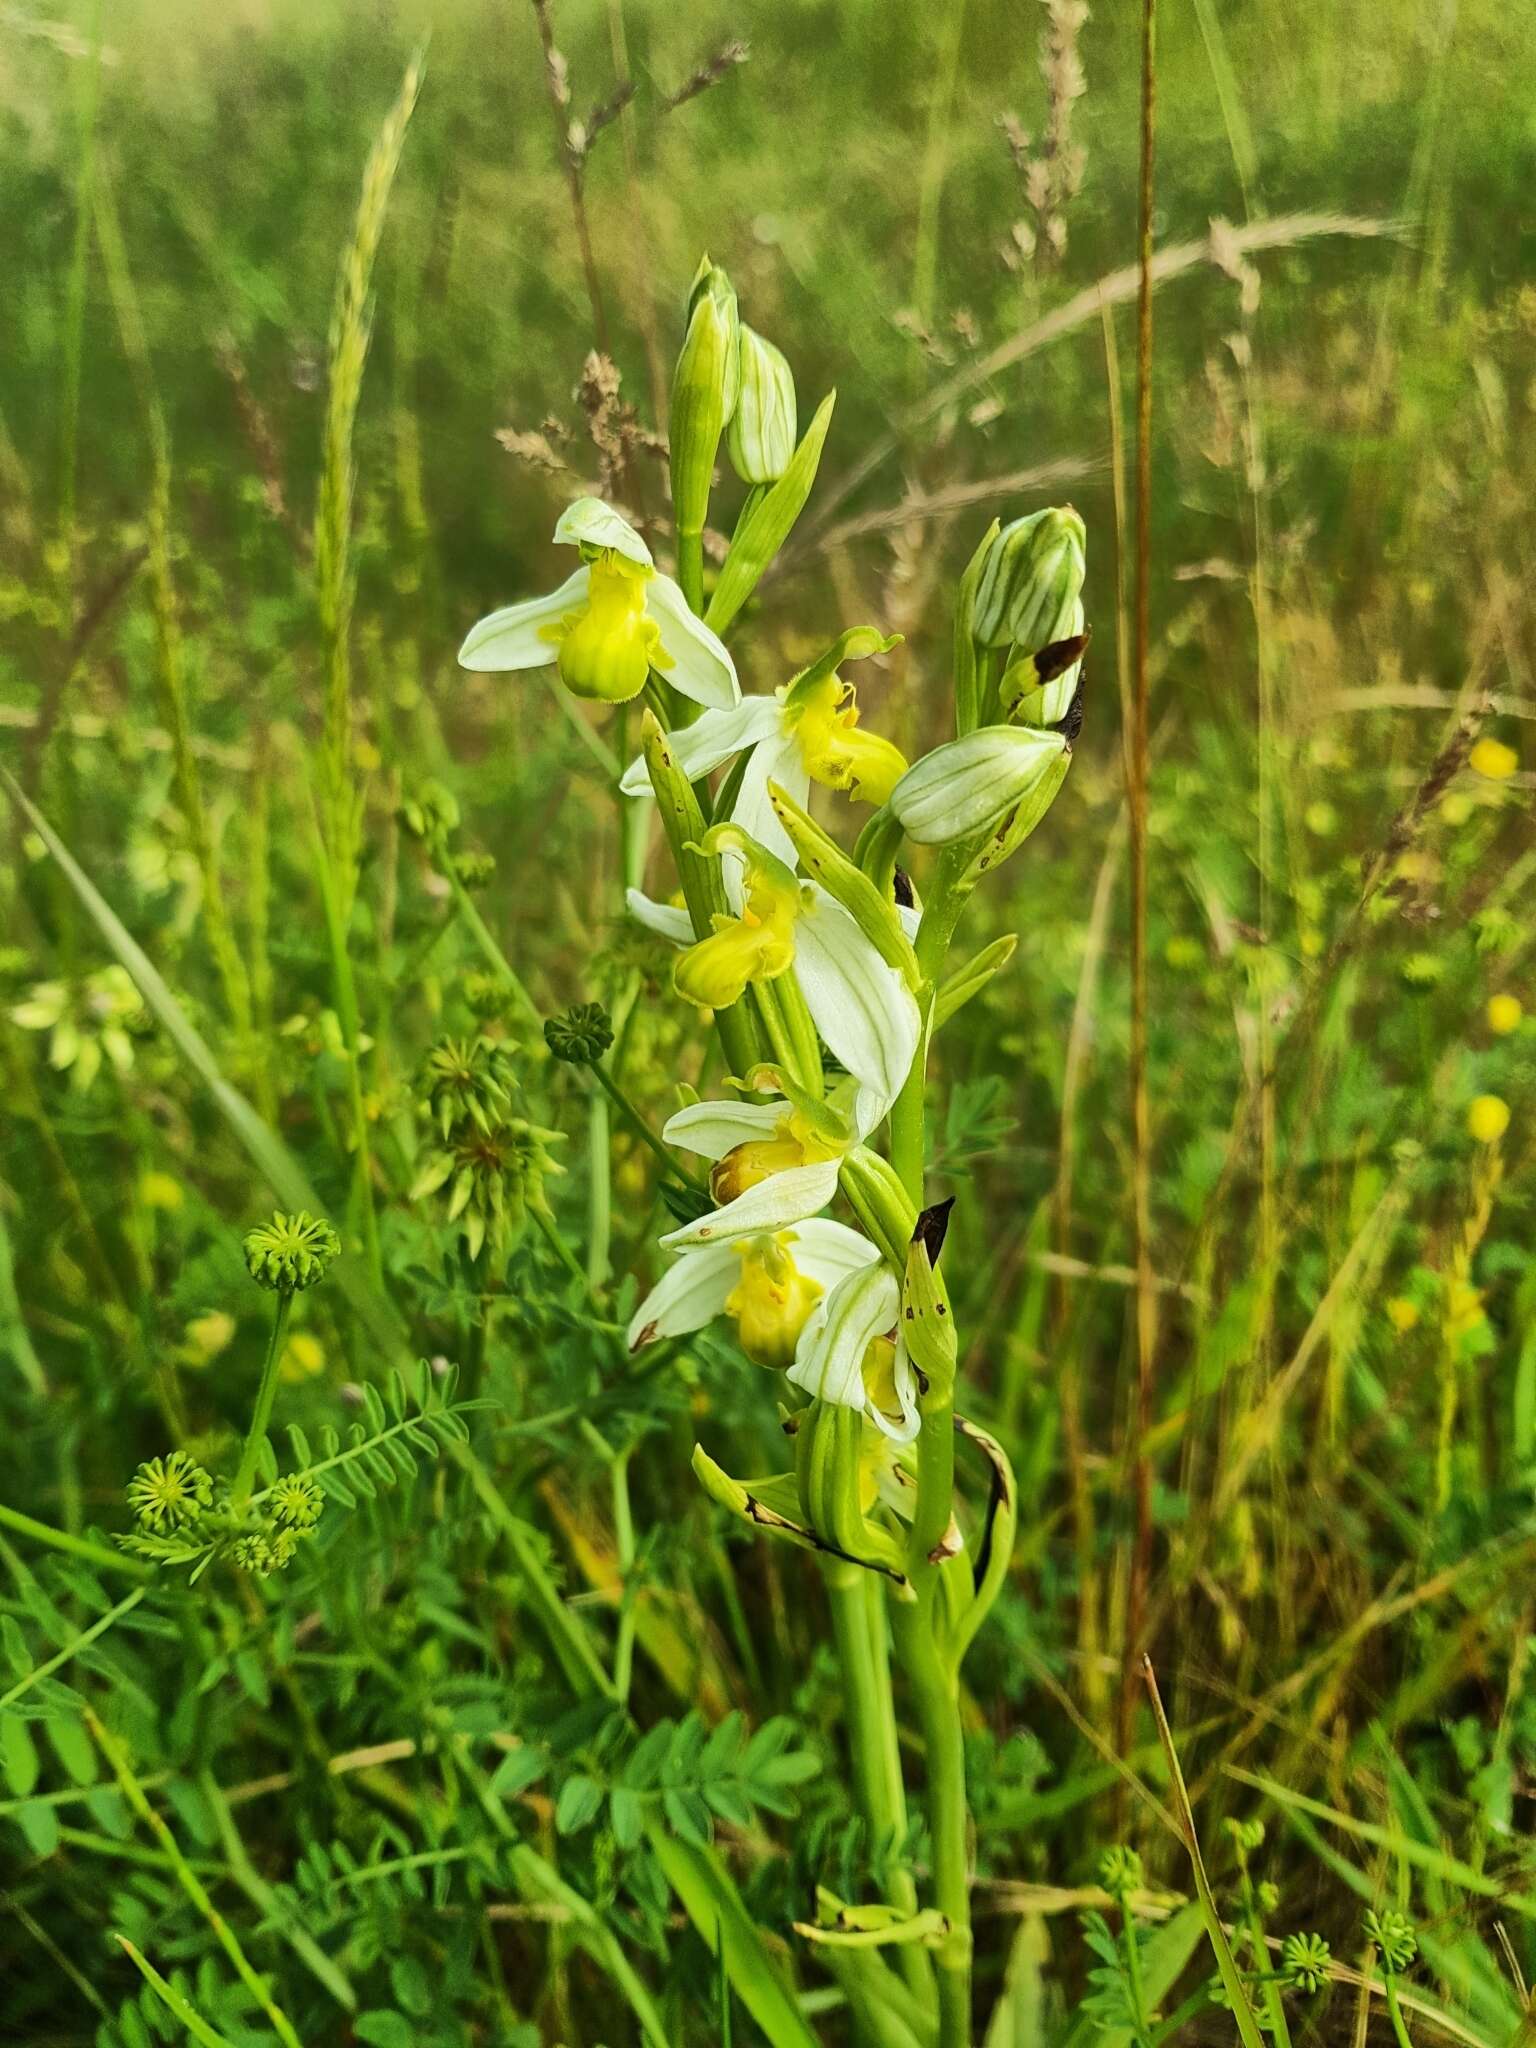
[(1140, 2024), (345, 985), (935, 1694), (494, 958), (690, 569), (76, 1546), (870, 1723), (642, 1129), (785, 1051), (1395, 2011), (266, 1394)]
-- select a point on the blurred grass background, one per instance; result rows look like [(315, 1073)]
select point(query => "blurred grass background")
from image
[(1342, 600)]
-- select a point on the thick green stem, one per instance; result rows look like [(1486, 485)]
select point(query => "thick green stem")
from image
[(266, 1394), (935, 1695), (75, 1546), (690, 569), (869, 1720)]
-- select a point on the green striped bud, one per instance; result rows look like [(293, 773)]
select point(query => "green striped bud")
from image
[(972, 784), (1031, 585), (704, 391), (762, 428)]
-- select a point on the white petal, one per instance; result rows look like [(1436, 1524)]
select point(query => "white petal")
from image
[(863, 1009), (829, 1359), (700, 748), (909, 916), (689, 1295), (714, 1128), (776, 759), (511, 638), (910, 1422), (781, 1199), (663, 918), (701, 667), (828, 1251), (590, 520)]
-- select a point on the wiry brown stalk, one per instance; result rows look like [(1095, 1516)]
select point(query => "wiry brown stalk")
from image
[(1141, 1129)]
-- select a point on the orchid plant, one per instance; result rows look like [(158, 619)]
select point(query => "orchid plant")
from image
[(827, 979)]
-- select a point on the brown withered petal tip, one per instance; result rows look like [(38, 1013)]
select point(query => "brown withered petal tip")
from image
[(901, 888), (1059, 656), (932, 1227), (1071, 724)]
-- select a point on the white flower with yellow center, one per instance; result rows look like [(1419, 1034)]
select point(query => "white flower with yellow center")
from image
[(866, 1015), (808, 731), (775, 1163), (851, 1352), (609, 624), (768, 1282)]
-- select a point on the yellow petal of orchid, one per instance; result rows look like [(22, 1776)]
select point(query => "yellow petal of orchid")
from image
[(609, 647), (771, 1302)]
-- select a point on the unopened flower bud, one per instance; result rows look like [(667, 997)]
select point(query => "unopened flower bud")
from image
[(969, 785), (1030, 590), (762, 428), (704, 389), (580, 1035)]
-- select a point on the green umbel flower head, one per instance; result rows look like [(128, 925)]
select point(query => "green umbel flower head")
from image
[(467, 1081), (1120, 1872), (1305, 1959), (169, 1492), (581, 1036), (1394, 1936), (295, 1502), (290, 1252)]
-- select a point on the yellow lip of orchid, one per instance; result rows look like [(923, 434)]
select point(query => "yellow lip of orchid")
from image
[(824, 722), (795, 1143), (609, 645), (756, 945), (608, 625), (772, 1301)]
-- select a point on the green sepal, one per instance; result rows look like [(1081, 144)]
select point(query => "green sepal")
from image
[(824, 1118), (767, 525), (704, 391), (877, 846), (972, 978), (703, 885), (825, 862), (876, 1196), (753, 1502), (829, 1443), (1010, 834), (972, 664), (730, 838), (857, 643)]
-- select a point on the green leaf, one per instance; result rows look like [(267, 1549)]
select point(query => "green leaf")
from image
[(579, 1804), (767, 526), (384, 2030), (18, 1755), (40, 1825)]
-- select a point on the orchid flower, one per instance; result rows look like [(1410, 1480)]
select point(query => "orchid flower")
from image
[(851, 1352), (609, 624), (807, 731), (864, 1011), (768, 1282), (775, 1163)]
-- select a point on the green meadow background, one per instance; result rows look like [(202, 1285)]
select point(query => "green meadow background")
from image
[(1342, 875)]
